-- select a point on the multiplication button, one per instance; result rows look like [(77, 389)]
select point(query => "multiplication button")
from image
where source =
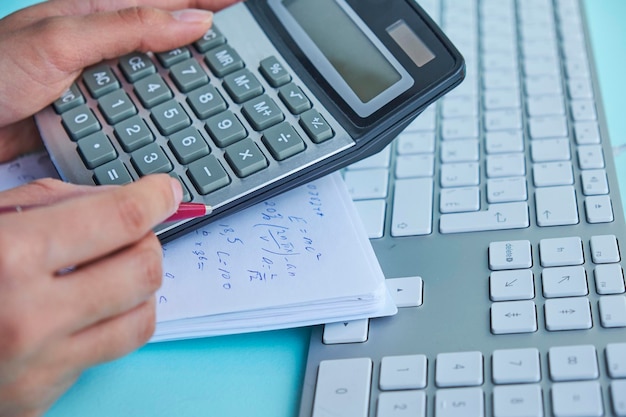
[(245, 157)]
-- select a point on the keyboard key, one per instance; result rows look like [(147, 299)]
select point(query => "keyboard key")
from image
[(242, 86), (188, 75), (460, 402), (274, 72), (609, 279), (170, 117), (152, 90), (556, 206), (616, 360), (612, 311), (516, 366), (549, 150), (406, 291), (502, 216), (112, 173), (508, 317), (136, 66), (561, 251), (512, 254), (506, 190), (80, 122), (151, 159), (568, 314), (403, 372), (367, 183), (100, 80), (343, 388), (599, 209), (454, 200), (459, 175), (518, 400), (223, 60), (415, 165), (459, 369), (550, 174), (565, 281), (411, 216), (511, 285), (594, 182), (577, 399), (372, 214), (604, 249), (354, 331), (225, 129), (573, 363), (401, 404), (188, 145), (283, 141), (618, 397)]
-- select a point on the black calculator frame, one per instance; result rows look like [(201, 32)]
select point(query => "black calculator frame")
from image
[(374, 132)]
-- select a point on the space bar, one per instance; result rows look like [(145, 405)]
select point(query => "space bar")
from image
[(497, 217)]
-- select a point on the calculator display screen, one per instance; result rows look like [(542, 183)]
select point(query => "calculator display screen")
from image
[(344, 44), (345, 51)]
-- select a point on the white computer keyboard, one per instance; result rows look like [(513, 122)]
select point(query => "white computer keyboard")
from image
[(497, 220)]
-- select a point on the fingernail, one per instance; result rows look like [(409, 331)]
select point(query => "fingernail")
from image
[(177, 189), (193, 15)]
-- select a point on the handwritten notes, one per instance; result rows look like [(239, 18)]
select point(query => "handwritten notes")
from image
[(301, 257)]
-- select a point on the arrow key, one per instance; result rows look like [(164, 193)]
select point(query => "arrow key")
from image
[(406, 291), (513, 317), (353, 331), (572, 313)]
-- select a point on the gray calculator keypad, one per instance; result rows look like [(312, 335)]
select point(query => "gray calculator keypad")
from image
[(201, 113)]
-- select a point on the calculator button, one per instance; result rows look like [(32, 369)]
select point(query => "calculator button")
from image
[(112, 173), (262, 112), (100, 80), (188, 75), (315, 126), (174, 56), (116, 106), (207, 174), (136, 66), (69, 99), (274, 72), (242, 85), (245, 157), (283, 141), (150, 159), (80, 122), (294, 98), (223, 60), (170, 117), (206, 101), (96, 149), (212, 38), (152, 90), (188, 145), (133, 133), (225, 129)]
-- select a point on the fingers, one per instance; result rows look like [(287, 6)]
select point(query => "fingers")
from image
[(113, 338), (108, 287), (45, 191), (100, 223)]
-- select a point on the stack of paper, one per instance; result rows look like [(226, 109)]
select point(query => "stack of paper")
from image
[(299, 259)]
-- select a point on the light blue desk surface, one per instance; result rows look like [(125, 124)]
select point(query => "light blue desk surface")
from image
[(260, 374)]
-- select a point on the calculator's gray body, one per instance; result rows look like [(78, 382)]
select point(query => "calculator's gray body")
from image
[(243, 32)]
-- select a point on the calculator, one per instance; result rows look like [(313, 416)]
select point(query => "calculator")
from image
[(275, 94)]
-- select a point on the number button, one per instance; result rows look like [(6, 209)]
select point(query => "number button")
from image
[(170, 117), (206, 101), (150, 159), (80, 122), (245, 157), (116, 106), (401, 404), (133, 133), (225, 129), (152, 90), (188, 75), (188, 145)]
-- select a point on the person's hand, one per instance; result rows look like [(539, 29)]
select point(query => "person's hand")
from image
[(45, 47), (77, 282)]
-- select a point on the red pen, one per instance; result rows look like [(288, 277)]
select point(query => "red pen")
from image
[(185, 211)]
